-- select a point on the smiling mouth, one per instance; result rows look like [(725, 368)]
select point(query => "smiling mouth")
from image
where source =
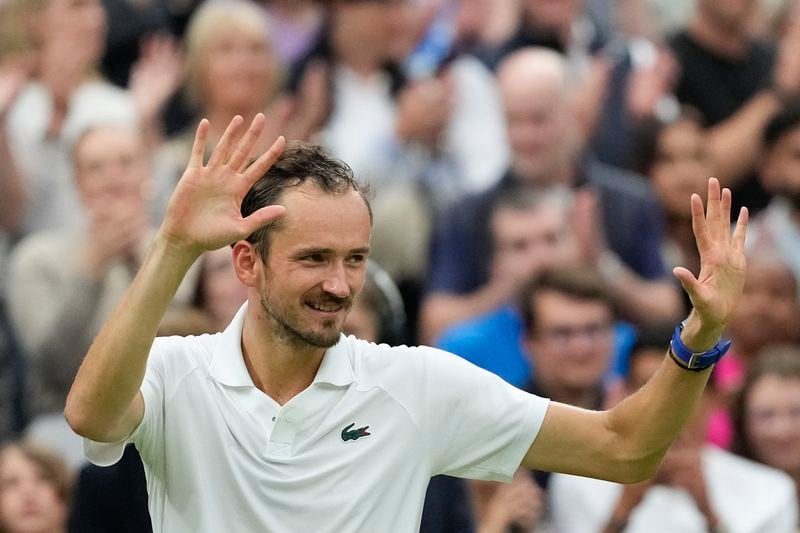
[(326, 308)]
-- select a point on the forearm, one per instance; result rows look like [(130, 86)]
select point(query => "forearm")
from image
[(665, 402), (734, 144), (644, 301), (112, 372)]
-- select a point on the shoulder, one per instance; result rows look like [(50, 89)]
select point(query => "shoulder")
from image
[(175, 357)]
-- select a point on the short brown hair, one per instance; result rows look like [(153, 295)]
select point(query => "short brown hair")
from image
[(576, 282), (299, 162)]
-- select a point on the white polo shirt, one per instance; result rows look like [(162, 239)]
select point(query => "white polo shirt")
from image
[(352, 452)]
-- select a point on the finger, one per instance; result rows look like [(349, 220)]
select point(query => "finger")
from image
[(725, 211), (246, 143), (199, 146), (713, 206), (699, 226), (740, 232), (266, 160), (220, 154), (261, 217), (688, 281)]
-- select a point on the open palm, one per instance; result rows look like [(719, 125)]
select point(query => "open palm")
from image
[(204, 210), (716, 289)]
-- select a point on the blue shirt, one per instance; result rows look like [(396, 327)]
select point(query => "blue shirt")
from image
[(493, 341)]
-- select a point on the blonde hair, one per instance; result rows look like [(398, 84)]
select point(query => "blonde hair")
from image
[(211, 20)]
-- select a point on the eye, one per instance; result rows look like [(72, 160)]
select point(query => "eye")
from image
[(314, 258), (357, 259)]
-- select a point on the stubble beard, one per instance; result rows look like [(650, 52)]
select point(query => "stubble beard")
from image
[(284, 330)]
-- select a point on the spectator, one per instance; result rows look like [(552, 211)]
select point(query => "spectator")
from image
[(65, 282), (232, 69), (66, 97), (35, 490), (776, 231), (766, 414), (675, 157), (737, 83), (378, 314), (568, 335), (699, 488), (618, 228), (295, 24)]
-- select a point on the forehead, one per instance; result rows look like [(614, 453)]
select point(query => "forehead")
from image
[(556, 307), (319, 219), (107, 141)]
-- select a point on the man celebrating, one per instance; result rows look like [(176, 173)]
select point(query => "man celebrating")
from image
[(281, 423)]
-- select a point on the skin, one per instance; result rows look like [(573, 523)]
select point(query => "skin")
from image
[(223, 292), (362, 322), (768, 311), (772, 422), (105, 404), (112, 177), (681, 163), (571, 346), (29, 503)]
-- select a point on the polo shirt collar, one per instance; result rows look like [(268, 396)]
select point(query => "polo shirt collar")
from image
[(228, 367)]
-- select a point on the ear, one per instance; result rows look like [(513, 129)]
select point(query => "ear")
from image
[(246, 263)]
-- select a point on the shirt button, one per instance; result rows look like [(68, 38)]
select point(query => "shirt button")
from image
[(289, 420), (273, 419)]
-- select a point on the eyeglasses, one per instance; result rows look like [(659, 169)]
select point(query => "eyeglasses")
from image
[(596, 331)]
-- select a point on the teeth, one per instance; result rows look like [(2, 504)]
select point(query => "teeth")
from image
[(325, 307)]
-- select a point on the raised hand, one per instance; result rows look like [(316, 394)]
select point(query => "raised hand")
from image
[(156, 75), (204, 210), (716, 289)]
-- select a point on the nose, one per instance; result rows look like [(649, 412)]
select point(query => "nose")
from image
[(335, 282)]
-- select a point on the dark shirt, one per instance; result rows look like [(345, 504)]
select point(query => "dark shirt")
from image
[(718, 86), (461, 245)]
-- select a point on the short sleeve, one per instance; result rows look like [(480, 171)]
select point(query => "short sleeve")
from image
[(148, 435), (476, 425)]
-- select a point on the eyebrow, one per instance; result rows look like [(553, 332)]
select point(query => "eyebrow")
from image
[(309, 251)]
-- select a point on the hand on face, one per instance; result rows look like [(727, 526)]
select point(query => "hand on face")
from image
[(156, 75), (716, 290), (204, 210), (117, 229), (423, 110)]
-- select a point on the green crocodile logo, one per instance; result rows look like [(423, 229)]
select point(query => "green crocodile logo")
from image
[(354, 434)]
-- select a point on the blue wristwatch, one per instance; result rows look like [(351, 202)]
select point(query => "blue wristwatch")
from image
[(695, 361)]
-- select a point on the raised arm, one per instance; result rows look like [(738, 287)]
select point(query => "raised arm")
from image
[(627, 443), (104, 403)]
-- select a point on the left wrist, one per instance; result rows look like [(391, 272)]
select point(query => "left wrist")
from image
[(699, 336)]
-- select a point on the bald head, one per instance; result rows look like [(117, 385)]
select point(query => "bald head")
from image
[(533, 69), (541, 125)]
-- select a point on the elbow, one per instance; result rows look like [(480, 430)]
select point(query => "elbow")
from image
[(635, 468), (80, 420)]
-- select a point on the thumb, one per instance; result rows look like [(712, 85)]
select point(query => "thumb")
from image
[(260, 218), (687, 279)]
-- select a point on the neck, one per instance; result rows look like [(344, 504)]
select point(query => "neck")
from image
[(729, 42), (278, 367)]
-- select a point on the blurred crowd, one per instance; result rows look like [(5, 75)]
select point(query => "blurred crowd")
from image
[(531, 163)]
